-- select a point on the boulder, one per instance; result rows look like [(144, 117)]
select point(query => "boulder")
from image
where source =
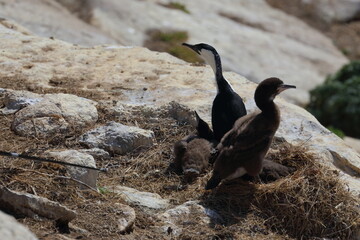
[(300, 54), (52, 114), (33, 206), (84, 175), (117, 138), (189, 213), (253, 40), (143, 199), (16, 100), (10, 229)]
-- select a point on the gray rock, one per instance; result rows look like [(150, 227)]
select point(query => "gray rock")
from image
[(143, 199), (97, 153), (55, 114), (181, 113), (10, 229), (84, 175), (16, 100), (333, 10), (41, 120), (117, 138), (126, 215), (51, 19), (33, 206), (77, 111), (177, 218)]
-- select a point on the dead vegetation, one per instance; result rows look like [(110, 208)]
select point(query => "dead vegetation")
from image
[(311, 202)]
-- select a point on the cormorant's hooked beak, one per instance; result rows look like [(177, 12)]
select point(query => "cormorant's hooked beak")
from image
[(193, 47), (283, 87)]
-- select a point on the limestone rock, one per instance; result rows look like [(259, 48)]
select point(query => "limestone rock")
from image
[(10, 229), (177, 218), (144, 199), (126, 215), (88, 176), (286, 43), (97, 153), (54, 114), (333, 10), (181, 113), (353, 142), (118, 138), (32, 206), (16, 100), (50, 19)]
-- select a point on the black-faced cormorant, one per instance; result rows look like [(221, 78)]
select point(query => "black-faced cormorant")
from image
[(243, 148), (227, 105)]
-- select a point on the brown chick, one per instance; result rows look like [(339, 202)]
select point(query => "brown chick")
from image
[(192, 153)]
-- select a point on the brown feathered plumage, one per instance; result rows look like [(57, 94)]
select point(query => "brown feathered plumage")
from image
[(244, 147), (193, 152)]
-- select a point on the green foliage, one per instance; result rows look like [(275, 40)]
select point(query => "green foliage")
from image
[(103, 190), (171, 37), (178, 6), (336, 131), (337, 102), (170, 42)]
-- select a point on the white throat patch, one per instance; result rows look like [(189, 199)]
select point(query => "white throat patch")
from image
[(209, 58)]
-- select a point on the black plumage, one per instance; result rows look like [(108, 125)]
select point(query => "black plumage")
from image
[(243, 148), (227, 106)]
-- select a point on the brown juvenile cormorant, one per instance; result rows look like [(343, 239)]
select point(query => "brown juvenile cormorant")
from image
[(243, 148), (227, 106)]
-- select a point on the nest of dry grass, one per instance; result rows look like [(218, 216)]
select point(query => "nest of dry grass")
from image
[(310, 202)]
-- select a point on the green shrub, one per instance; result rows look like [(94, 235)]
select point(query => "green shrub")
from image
[(336, 103), (176, 5), (170, 42)]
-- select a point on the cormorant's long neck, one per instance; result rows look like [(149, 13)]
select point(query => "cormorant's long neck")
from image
[(222, 83), (267, 105)]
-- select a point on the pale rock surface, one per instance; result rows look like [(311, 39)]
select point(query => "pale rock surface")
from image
[(53, 114), (87, 176), (128, 71), (48, 18), (143, 199), (33, 206), (333, 10), (97, 153), (252, 38), (16, 100), (118, 138), (353, 142), (10, 229), (126, 215), (190, 212)]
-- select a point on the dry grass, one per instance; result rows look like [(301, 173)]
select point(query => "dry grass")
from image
[(311, 202)]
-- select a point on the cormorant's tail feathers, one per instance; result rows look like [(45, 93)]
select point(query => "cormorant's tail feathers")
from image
[(203, 129), (213, 182)]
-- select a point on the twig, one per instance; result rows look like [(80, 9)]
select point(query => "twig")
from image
[(60, 177)]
